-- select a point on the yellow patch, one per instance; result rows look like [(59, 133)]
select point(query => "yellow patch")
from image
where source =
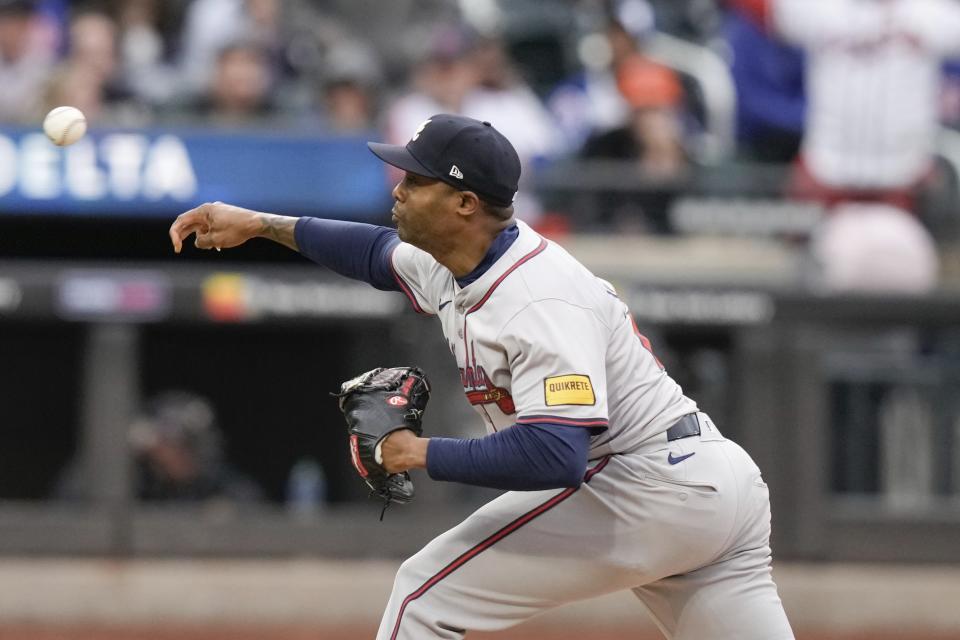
[(571, 389)]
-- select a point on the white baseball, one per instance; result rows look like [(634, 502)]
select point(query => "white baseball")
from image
[(65, 125)]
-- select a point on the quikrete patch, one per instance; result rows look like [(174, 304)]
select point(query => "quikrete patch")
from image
[(571, 389)]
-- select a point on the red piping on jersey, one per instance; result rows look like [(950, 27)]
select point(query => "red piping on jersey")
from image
[(574, 422), (473, 398), (539, 249), (405, 287), (473, 552)]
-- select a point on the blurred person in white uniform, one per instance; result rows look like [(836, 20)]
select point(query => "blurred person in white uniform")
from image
[(873, 80)]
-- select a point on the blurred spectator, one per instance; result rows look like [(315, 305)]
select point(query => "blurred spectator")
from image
[(770, 89), (347, 101), (77, 86), (178, 456), (142, 43), (874, 248), (93, 44), (348, 105), (212, 25), (147, 29), (396, 29), (441, 82), (873, 81), (590, 101), (24, 63), (651, 138), (89, 77), (502, 96), (463, 74), (653, 134), (240, 91), (179, 453)]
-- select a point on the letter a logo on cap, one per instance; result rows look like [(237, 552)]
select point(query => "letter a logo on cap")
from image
[(420, 130), (456, 173)]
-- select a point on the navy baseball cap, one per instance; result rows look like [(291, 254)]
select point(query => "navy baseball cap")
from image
[(467, 154)]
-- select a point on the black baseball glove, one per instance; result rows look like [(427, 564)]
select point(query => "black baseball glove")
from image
[(376, 404)]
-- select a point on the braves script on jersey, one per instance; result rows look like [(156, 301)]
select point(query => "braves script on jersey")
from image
[(538, 338), (682, 520)]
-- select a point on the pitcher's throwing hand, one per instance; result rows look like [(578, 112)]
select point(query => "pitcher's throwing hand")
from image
[(224, 226)]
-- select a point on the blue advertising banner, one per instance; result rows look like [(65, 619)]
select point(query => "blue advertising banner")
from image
[(163, 172)]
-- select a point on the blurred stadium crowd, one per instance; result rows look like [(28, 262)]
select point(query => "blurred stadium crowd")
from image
[(303, 63), (854, 111)]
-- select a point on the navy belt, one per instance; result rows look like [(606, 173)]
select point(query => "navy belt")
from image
[(685, 427)]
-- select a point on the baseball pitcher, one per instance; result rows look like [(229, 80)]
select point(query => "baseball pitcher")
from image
[(614, 479)]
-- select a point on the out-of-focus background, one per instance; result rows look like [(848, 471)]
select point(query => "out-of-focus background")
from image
[(773, 189)]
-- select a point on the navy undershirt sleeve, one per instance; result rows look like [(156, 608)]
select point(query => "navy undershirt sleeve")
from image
[(526, 457), (352, 249)]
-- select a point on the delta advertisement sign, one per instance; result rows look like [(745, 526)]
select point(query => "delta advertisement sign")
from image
[(159, 173)]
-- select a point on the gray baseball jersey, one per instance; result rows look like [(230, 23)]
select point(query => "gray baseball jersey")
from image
[(538, 338)]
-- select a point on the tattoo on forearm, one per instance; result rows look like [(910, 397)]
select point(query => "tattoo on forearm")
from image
[(279, 229)]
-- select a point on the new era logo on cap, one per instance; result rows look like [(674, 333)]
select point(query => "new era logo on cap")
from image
[(467, 154)]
